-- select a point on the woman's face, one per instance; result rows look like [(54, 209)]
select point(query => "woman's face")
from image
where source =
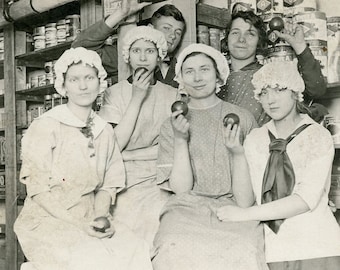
[(242, 40), (278, 103), (199, 76), (143, 54), (82, 85)]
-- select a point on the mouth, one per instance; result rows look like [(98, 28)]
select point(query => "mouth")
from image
[(199, 87)]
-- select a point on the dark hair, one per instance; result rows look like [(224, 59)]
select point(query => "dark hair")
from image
[(168, 11), (251, 18), (198, 53)]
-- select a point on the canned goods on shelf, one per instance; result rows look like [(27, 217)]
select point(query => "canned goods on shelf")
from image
[(1, 41), (42, 80), (72, 26), (214, 38), (47, 102), (292, 7), (39, 31), (51, 34), (203, 34), (56, 99), (39, 42), (280, 53), (333, 52), (242, 5), (314, 24), (61, 31)]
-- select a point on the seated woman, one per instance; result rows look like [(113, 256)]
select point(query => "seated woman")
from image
[(195, 164), (137, 107), (290, 162), (72, 168)]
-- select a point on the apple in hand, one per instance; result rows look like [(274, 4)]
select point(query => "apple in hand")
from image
[(180, 105), (103, 224), (232, 119)]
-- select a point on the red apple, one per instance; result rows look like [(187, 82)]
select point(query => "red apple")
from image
[(180, 105), (103, 224), (232, 119), (276, 23)]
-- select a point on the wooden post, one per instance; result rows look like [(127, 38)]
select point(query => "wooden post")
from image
[(11, 156)]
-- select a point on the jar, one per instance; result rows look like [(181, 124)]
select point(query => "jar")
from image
[(39, 31), (214, 38), (51, 34), (1, 41), (203, 34), (39, 42), (47, 102), (61, 31)]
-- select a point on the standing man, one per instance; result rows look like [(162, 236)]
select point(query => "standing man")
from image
[(167, 19)]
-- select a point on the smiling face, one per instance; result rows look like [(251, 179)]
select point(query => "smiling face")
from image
[(82, 85), (172, 30), (199, 76), (278, 103), (242, 40), (143, 54)]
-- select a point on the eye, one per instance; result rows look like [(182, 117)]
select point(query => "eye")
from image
[(188, 72), (178, 33), (151, 51), (205, 69), (72, 80), (135, 50), (90, 78)]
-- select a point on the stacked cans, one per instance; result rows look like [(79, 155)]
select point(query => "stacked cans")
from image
[(210, 36), (333, 52)]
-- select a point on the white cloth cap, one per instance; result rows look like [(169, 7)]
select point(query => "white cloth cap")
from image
[(279, 74), (146, 33), (220, 60), (75, 56)]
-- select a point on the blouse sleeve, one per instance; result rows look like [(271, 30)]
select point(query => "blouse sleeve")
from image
[(112, 108), (317, 167), (165, 155), (37, 146)]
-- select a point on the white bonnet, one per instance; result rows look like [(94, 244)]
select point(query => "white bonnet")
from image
[(220, 60), (279, 74), (146, 33), (74, 56)]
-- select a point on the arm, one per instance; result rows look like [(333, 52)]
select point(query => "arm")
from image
[(181, 177), (148, 153), (241, 184), (126, 126), (308, 66), (102, 203)]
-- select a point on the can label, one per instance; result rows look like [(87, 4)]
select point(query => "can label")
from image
[(313, 23), (242, 5), (203, 34), (39, 43), (333, 53)]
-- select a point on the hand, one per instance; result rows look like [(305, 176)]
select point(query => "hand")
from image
[(141, 83), (130, 7), (232, 213), (231, 136), (294, 35), (180, 125), (89, 229)]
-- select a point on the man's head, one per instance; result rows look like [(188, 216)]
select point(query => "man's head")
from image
[(169, 20)]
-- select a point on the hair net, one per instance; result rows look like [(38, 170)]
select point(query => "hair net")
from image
[(146, 33), (279, 74), (75, 56), (220, 60)]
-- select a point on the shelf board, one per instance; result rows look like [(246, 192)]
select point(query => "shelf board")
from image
[(212, 16), (43, 55), (31, 94)]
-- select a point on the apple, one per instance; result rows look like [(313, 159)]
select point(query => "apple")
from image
[(141, 68), (232, 119), (180, 105), (276, 23), (103, 224)]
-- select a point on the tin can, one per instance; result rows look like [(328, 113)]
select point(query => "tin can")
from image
[(29, 42), (333, 52), (214, 38), (319, 50), (47, 102), (72, 26), (314, 24), (242, 5), (39, 31), (39, 42), (61, 31), (280, 53), (51, 34), (42, 80), (56, 99), (203, 34), (1, 41), (264, 6)]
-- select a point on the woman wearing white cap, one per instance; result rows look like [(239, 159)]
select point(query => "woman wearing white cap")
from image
[(290, 162), (195, 164), (72, 168), (137, 107)]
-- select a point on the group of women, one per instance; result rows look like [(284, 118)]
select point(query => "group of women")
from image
[(182, 191)]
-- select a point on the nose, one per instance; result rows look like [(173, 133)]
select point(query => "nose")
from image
[(197, 76), (271, 97), (142, 56), (82, 84), (241, 39), (172, 34)]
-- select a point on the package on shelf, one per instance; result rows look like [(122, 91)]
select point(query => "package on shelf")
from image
[(110, 6), (215, 38), (242, 5), (292, 7), (34, 111), (203, 34), (20, 113), (314, 24), (269, 6), (51, 34), (333, 49), (2, 150), (35, 78), (332, 123), (61, 31), (72, 26)]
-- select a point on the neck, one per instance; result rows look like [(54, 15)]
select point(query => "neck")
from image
[(237, 64), (288, 124), (81, 112), (204, 102)]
